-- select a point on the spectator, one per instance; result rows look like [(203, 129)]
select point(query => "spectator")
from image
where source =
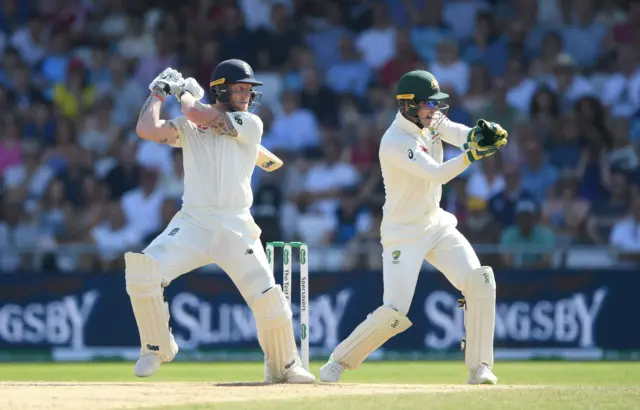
[(528, 243), (142, 206), (274, 43), (319, 98), (350, 74), (486, 181), (18, 236), (168, 211), (584, 36), (479, 96), (537, 174), (126, 175), (609, 210), (113, 237), (429, 29), (293, 117), (564, 211), (481, 229), (625, 236), (503, 204), (449, 69), (378, 43)]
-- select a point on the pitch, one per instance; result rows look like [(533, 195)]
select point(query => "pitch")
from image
[(375, 386)]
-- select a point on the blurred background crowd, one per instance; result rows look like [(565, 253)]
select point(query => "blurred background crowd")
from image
[(78, 187)]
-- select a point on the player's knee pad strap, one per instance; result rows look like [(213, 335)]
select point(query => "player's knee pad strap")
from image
[(379, 326), (275, 332), (144, 286), (479, 317)]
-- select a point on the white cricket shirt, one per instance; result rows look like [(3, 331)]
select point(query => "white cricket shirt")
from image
[(413, 174), (218, 168)]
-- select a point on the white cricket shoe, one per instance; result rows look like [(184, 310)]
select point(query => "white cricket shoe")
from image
[(331, 371), (295, 374), (149, 363), (482, 375), (298, 375)]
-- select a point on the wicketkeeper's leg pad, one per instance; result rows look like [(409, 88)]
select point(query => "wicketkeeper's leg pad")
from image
[(377, 328), (479, 317), (144, 286), (275, 332)]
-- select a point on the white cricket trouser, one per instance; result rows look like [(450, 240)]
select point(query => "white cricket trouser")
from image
[(443, 246), (199, 237)]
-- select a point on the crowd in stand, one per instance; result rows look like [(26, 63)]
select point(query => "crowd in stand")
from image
[(562, 76)]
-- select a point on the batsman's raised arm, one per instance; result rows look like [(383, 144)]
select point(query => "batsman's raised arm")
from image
[(206, 115), (150, 126)]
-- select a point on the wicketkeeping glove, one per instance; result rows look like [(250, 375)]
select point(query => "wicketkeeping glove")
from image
[(192, 87), (474, 155), (485, 135), (170, 81)]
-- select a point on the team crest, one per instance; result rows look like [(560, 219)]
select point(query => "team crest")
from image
[(396, 256), (424, 149), (434, 84), (202, 128)]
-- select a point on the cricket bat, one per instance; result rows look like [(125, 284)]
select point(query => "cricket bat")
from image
[(267, 160)]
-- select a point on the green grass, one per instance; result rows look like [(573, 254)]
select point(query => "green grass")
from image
[(562, 385)]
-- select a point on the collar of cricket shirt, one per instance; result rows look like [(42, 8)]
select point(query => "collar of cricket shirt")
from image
[(424, 134)]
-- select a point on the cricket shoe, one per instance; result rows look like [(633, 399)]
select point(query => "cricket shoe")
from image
[(295, 374), (298, 374), (331, 371), (482, 375), (149, 363)]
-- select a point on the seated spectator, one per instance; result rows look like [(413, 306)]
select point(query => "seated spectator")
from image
[(481, 229), (172, 184), (503, 204), (625, 236), (538, 175), (623, 154), (378, 42), (54, 214), (126, 175), (528, 243), (564, 211), (607, 211), (479, 96), (364, 251), (167, 213), (544, 112), (565, 149), (295, 128), (486, 180), (363, 154), (113, 237), (350, 218), (568, 83), (268, 199), (89, 210), (31, 177), (98, 133), (449, 69), (319, 98), (350, 74), (404, 60), (75, 95), (429, 30), (18, 236), (621, 91), (73, 174), (40, 124), (10, 147), (142, 206)]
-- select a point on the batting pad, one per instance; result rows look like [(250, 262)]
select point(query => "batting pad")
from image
[(144, 286), (479, 317), (275, 332), (377, 328)]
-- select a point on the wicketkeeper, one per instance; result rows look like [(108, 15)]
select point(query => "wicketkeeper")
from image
[(414, 227)]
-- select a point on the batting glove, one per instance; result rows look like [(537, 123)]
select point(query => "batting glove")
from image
[(169, 81), (192, 87)]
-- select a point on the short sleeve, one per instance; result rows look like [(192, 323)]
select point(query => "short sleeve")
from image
[(249, 126), (181, 125)]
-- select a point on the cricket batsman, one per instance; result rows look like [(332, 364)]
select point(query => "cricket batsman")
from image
[(220, 145), (414, 227)]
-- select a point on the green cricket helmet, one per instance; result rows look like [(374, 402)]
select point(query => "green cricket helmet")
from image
[(419, 89)]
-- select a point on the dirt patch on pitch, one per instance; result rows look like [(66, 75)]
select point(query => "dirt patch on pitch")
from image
[(103, 396)]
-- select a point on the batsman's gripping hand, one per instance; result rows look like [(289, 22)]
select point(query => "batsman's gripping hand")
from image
[(169, 81), (486, 135), (192, 87)]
